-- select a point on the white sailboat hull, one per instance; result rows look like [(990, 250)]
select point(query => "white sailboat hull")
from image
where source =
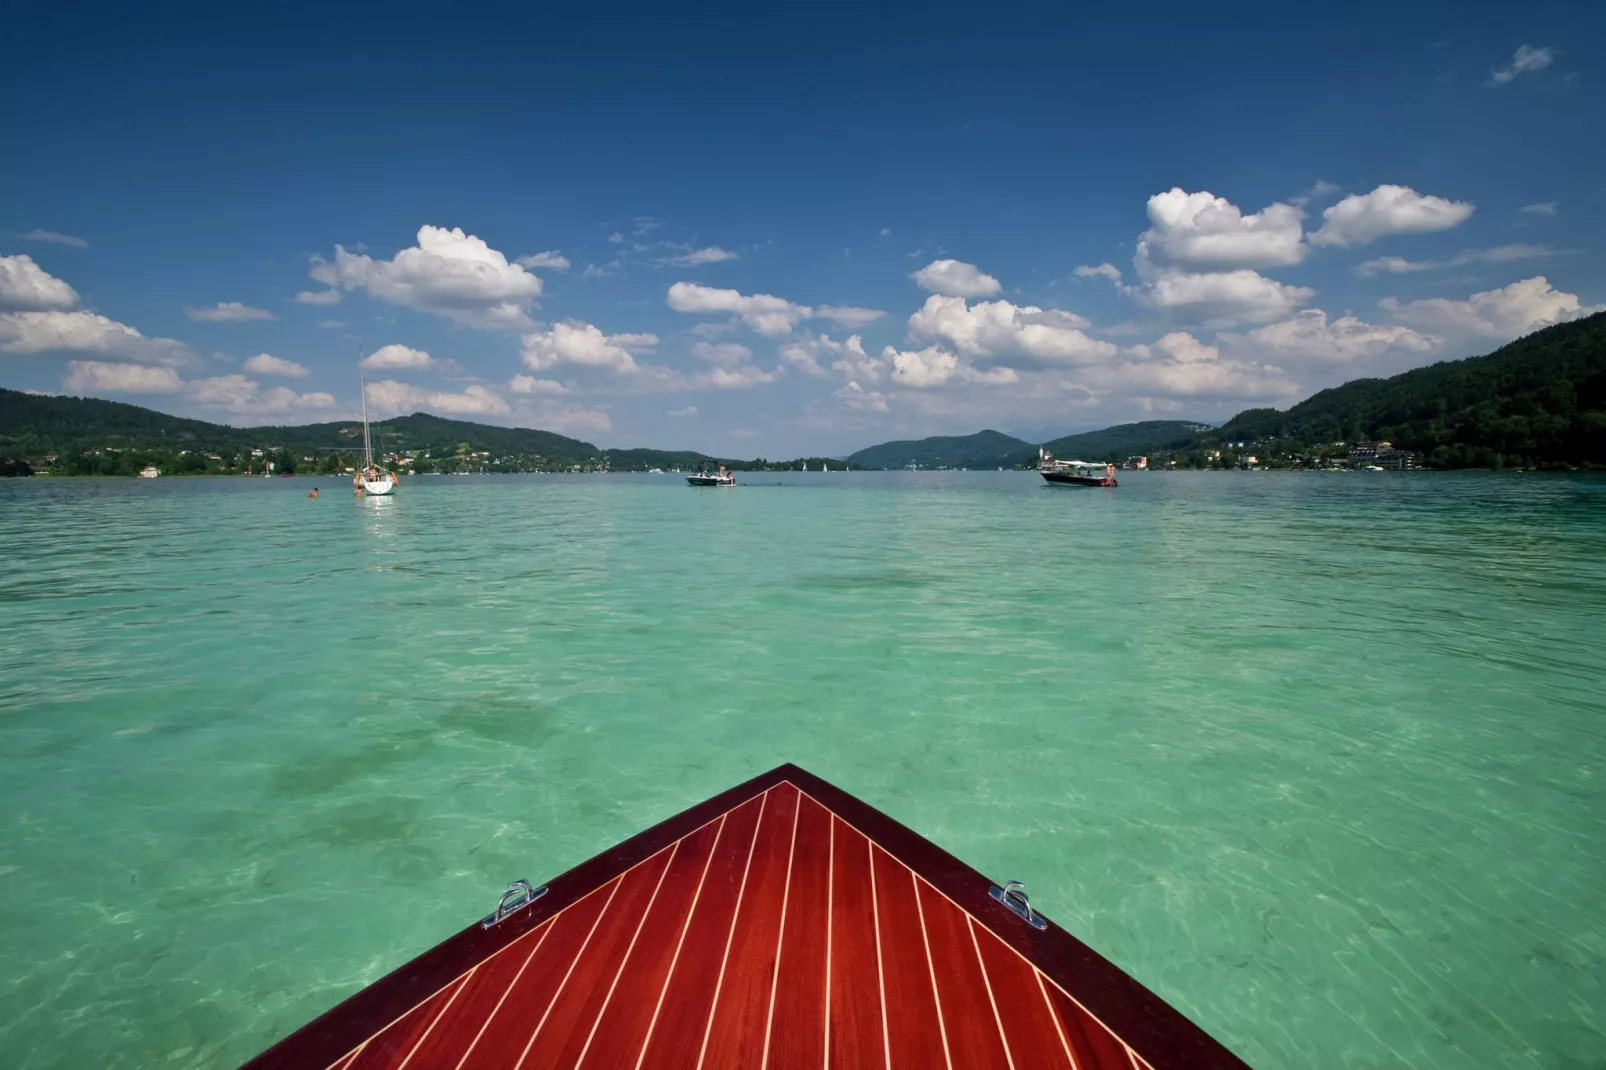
[(378, 487)]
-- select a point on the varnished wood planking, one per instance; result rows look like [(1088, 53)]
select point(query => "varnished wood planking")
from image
[(514, 1025), (396, 1043), (1028, 1020), (579, 1001), (1095, 1047), (457, 1028), (857, 1039), (689, 993), (736, 1033), (974, 1042), (913, 1028), (623, 1027), (797, 1026)]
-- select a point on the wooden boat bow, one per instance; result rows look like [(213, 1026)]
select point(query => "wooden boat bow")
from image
[(783, 923)]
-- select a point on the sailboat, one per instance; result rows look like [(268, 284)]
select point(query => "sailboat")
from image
[(370, 478), (805, 466)]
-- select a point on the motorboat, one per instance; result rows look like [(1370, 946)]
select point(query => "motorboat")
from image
[(1075, 473)]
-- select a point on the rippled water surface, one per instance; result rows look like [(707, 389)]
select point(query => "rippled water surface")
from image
[(1320, 758)]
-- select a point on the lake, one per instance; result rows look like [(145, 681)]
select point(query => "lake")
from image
[(1320, 758)]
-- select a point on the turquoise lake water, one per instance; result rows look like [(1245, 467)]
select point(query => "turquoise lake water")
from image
[(1320, 758)]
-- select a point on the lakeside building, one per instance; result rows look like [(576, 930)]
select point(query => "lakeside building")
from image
[(1382, 454)]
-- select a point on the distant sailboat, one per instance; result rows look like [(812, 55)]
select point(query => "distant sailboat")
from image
[(370, 479), (805, 466), (825, 466)]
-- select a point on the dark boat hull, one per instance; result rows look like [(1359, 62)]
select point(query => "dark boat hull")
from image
[(1067, 479), (783, 923), (710, 481)]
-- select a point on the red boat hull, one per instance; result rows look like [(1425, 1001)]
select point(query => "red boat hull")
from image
[(780, 924)]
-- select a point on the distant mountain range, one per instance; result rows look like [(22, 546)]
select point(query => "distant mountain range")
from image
[(984, 449), (37, 425), (1539, 400), (993, 449)]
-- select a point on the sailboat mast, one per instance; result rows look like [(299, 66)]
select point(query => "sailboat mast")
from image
[(367, 446)]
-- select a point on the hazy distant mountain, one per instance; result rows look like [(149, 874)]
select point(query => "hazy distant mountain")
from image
[(1538, 400), (984, 449), (1124, 440)]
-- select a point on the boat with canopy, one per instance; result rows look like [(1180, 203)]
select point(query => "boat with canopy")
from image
[(723, 478), (1074, 473)]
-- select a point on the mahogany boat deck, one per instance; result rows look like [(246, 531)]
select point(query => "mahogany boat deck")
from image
[(780, 924)]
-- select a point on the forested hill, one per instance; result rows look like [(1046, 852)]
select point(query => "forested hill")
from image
[(94, 437), (1123, 440), (984, 449), (34, 423), (1539, 400)]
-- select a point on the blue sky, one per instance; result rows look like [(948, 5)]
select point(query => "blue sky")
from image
[(787, 231)]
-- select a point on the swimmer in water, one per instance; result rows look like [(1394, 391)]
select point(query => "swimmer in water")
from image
[(313, 493)]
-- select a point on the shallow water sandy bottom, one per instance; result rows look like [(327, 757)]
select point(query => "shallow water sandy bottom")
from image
[(1317, 757)]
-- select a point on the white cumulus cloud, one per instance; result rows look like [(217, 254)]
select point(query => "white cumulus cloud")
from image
[(848, 316), (1500, 314), (549, 259), (821, 357), (742, 377), (242, 395), (228, 312), (1178, 365), (86, 332), (390, 395), (267, 364), (1203, 232), (529, 384), (1527, 58), (857, 398), (1312, 337), (398, 356), (932, 366), (1362, 218), (94, 376), (585, 345), (448, 273), (955, 278), (318, 297), (722, 354), (1093, 271), (1008, 334), (27, 287), (566, 418), (713, 254), (1218, 298), (764, 313)]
